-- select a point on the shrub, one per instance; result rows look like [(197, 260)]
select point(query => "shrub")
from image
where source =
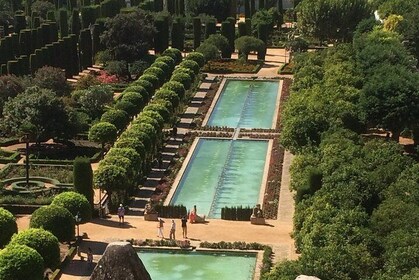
[(174, 53), (190, 64), (8, 226), (135, 98), (146, 85), (168, 60), (128, 107), (148, 120), (157, 72), (236, 213), (171, 211), (159, 108), (177, 87), (117, 117), (76, 203), (186, 71), (21, 262), (52, 78), (141, 90), (83, 178), (56, 219), (182, 78), (163, 66), (44, 242), (154, 115), (10, 86), (86, 81), (168, 95), (128, 153), (197, 57), (153, 79), (220, 42), (118, 68), (133, 143), (209, 51), (103, 132)]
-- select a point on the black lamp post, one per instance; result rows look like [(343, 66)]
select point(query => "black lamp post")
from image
[(77, 218)]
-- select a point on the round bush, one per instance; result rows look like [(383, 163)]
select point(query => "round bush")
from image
[(8, 226), (168, 60), (153, 79), (209, 51), (75, 203), (128, 107), (56, 219), (190, 64), (174, 53), (133, 143), (128, 153), (103, 132), (140, 135), (145, 119), (177, 87), (140, 90), (155, 116), (119, 161), (197, 57), (135, 98), (168, 95), (159, 108), (163, 66), (145, 84), (182, 78), (21, 262), (159, 73), (116, 117), (185, 70), (44, 242)]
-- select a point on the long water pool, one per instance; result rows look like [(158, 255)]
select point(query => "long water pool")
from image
[(222, 173), (169, 265), (246, 104)]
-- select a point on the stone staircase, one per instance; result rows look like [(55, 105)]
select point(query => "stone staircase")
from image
[(89, 70)]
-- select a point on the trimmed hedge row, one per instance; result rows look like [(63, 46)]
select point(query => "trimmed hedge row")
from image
[(171, 211), (236, 213)]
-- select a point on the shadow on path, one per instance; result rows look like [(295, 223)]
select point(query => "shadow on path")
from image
[(111, 223)]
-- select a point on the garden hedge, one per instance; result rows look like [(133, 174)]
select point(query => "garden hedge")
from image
[(168, 95), (20, 262), (197, 57), (44, 242), (83, 178), (153, 79), (146, 93), (196, 32), (133, 143), (190, 64), (182, 78), (56, 219), (177, 87), (148, 86), (119, 118), (168, 59), (130, 108), (178, 35), (8, 226)]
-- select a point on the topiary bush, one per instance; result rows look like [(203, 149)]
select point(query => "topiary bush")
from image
[(182, 78), (154, 115), (168, 60), (174, 53), (52, 78), (153, 79), (117, 117), (177, 87), (8, 226), (75, 203), (141, 90), (21, 262), (56, 219), (185, 70), (133, 143), (135, 98), (168, 95), (83, 178), (163, 66), (190, 64), (159, 73), (159, 108), (44, 242), (146, 85), (197, 57)]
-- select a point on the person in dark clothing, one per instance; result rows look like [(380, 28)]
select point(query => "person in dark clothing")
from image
[(184, 220)]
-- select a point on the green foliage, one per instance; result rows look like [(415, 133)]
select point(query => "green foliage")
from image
[(132, 143), (128, 107), (236, 213), (157, 72), (209, 51), (152, 79), (218, 8), (118, 68), (8, 226), (137, 88), (41, 8), (110, 178), (160, 109), (10, 86), (168, 60), (197, 57), (220, 42), (168, 95), (163, 66), (119, 118), (44, 242), (148, 86), (182, 78), (21, 262), (246, 44), (76, 203), (103, 132), (154, 115), (176, 87), (129, 36), (95, 98), (171, 211), (55, 219), (190, 64), (83, 178)]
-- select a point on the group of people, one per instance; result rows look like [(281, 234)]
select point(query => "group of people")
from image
[(183, 220)]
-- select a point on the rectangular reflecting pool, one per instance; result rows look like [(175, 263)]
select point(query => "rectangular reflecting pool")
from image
[(172, 265), (222, 173), (246, 104)]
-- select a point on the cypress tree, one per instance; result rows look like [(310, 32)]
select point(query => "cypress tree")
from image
[(33, 63), (196, 32), (13, 67), (158, 5), (95, 39), (85, 45), (181, 7), (36, 21), (261, 4), (75, 63), (15, 44), (248, 23), (51, 16), (210, 27), (263, 32), (247, 9), (178, 36), (279, 6), (75, 23), (63, 19), (161, 38), (227, 31), (242, 29), (83, 178), (20, 22), (252, 7), (171, 6)]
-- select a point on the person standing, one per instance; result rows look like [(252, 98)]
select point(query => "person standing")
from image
[(172, 230), (174, 131), (121, 214), (160, 228), (184, 221), (89, 256)]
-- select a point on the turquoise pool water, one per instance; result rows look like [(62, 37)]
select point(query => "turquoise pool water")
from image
[(169, 265), (246, 104), (222, 173)]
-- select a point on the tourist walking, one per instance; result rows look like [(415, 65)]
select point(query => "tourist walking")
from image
[(172, 230), (121, 214), (160, 228), (174, 131), (184, 220)]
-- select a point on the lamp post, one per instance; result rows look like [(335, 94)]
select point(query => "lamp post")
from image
[(77, 218), (26, 137)]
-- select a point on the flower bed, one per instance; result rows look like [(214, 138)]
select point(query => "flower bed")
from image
[(227, 66), (285, 93)]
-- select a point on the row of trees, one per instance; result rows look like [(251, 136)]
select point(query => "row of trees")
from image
[(356, 197)]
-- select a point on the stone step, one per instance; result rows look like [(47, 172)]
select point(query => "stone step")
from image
[(171, 146), (97, 66), (94, 69), (205, 86), (195, 103), (70, 80)]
